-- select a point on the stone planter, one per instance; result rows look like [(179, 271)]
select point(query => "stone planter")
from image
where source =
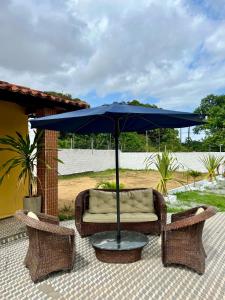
[(32, 204)]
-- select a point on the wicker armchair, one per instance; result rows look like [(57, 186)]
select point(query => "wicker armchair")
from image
[(51, 247), (182, 239), (86, 229)]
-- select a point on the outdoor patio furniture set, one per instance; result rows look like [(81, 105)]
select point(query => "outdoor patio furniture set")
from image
[(52, 247)]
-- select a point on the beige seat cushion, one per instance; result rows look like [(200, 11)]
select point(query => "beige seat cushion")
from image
[(124, 217), (32, 215), (131, 201)]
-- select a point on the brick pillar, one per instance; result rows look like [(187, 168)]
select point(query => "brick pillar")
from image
[(47, 185)]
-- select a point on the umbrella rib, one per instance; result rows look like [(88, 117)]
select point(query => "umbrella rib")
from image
[(151, 122)]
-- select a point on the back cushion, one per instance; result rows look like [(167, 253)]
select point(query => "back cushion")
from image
[(199, 210), (137, 201), (102, 202), (131, 201), (33, 215)]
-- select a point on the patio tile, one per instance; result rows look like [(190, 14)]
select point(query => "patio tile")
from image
[(94, 280), (11, 229)]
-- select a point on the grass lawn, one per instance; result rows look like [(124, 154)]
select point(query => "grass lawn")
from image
[(189, 199)]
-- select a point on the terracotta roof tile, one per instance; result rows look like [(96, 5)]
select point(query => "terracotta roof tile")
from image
[(39, 94)]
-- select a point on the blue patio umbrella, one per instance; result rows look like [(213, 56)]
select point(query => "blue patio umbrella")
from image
[(116, 118)]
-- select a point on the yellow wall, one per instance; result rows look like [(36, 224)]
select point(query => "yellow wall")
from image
[(12, 119)]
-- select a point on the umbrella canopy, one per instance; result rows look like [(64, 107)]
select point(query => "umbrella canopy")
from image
[(131, 118), (117, 118)]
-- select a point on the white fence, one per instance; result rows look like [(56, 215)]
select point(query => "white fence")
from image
[(79, 160)]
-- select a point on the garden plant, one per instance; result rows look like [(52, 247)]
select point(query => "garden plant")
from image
[(212, 163), (166, 164)]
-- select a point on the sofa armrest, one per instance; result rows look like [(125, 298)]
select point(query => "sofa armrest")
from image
[(160, 207), (80, 206)]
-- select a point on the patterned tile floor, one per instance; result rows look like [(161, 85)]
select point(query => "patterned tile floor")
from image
[(10, 229), (146, 279)]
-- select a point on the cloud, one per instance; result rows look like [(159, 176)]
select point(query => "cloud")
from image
[(170, 50), (40, 39)]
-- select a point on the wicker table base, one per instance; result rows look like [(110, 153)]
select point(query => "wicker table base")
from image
[(128, 250)]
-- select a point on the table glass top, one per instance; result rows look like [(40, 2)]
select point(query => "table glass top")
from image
[(108, 240)]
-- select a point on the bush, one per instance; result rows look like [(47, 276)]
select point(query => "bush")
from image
[(111, 185), (212, 163), (166, 165), (66, 213), (194, 174)]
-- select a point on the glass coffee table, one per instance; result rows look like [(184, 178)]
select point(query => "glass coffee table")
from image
[(128, 250)]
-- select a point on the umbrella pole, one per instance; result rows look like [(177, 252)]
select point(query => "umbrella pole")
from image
[(116, 136)]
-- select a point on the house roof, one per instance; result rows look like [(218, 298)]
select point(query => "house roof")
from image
[(27, 97)]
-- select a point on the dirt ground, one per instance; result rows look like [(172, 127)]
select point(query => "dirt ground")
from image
[(70, 187)]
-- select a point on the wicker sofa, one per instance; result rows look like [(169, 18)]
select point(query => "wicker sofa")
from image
[(51, 247), (88, 223)]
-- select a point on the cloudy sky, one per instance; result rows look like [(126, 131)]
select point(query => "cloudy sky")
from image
[(167, 52)]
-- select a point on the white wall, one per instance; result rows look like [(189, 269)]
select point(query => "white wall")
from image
[(82, 160), (78, 160), (188, 160)]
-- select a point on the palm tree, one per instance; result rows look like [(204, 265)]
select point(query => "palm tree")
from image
[(166, 165), (194, 174), (24, 157), (211, 162)]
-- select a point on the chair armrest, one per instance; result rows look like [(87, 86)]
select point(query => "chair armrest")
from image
[(191, 220), (43, 226), (160, 207), (48, 218), (52, 228), (184, 214)]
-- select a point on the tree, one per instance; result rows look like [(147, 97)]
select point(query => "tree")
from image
[(138, 103), (194, 174), (64, 137), (24, 157), (159, 139), (214, 107), (132, 142), (212, 163), (151, 140), (62, 95)]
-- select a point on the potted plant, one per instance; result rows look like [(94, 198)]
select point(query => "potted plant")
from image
[(24, 157), (211, 162), (166, 165)]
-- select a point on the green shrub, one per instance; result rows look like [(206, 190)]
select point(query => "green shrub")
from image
[(194, 174), (66, 213), (211, 162), (111, 185), (166, 165)]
